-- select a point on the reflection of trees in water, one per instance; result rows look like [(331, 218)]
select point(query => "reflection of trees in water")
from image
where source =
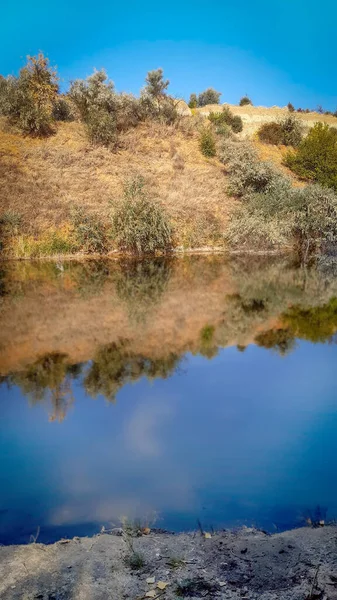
[(281, 340), (49, 380), (314, 324), (115, 365), (141, 283), (207, 346)]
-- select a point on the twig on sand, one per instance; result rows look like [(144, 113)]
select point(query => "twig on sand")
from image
[(314, 583)]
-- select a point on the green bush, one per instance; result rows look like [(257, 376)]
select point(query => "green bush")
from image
[(292, 131), (245, 101), (89, 232), (287, 132), (275, 213), (237, 124), (106, 114), (316, 157), (155, 85), (226, 117), (209, 96), (207, 143), (28, 100), (249, 175), (62, 110), (193, 101), (102, 127), (139, 224)]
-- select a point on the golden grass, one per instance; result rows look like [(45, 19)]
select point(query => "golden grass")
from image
[(43, 179)]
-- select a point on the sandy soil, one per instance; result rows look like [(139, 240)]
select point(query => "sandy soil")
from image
[(294, 565)]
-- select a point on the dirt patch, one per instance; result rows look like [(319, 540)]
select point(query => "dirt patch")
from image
[(293, 565)]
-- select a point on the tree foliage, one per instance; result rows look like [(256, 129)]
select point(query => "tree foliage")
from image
[(245, 101), (28, 100), (139, 224), (156, 86), (316, 157), (209, 96)]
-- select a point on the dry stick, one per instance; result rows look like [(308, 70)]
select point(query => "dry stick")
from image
[(314, 582)]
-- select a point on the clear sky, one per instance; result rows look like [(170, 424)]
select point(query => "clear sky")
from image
[(276, 51)]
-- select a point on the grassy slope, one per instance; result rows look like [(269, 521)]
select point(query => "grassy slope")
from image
[(43, 179)]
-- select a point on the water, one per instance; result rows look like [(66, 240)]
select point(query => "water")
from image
[(167, 392)]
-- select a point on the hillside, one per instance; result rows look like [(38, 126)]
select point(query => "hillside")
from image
[(43, 179), (254, 116)]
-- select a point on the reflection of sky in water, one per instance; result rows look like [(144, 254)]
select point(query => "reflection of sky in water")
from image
[(244, 437)]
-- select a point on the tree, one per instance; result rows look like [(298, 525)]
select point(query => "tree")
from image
[(193, 103), (156, 86), (291, 107), (245, 100), (95, 92), (316, 157), (28, 100), (209, 96)]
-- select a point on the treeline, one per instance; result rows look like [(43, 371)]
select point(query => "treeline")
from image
[(32, 101)]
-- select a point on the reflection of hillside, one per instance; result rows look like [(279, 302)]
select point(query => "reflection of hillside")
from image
[(163, 308)]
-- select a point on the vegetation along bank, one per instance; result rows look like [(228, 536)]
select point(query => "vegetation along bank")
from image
[(95, 171)]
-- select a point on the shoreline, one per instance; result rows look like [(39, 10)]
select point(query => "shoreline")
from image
[(247, 563), (116, 255)]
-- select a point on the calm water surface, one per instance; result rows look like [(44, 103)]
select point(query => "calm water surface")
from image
[(168, 392)]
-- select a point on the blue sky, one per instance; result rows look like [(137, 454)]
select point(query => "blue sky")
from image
[(276, 52)]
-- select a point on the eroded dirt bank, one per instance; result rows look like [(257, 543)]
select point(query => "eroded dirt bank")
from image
[(297, 565)]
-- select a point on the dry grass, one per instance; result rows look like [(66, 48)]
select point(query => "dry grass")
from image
[(254, 116), (43, 179)]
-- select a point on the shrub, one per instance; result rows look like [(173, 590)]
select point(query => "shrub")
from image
[(209, 96), (316, 157), (275, 213), (156, 86), (89, 231), (223, 130), (102, 128), (140, 225), (207, 143), (237, 124), (226, 117), (292, 131), (193, 102), (249, 175), (97, 104), (245, 101), (313, 211), (62, 110), (271, 133), (291, 107), (287, 132), (28, 100)]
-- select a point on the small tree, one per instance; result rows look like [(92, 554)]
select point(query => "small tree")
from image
[(193, 103), (291, 107), (316, 157), (245, 100), (209, 96), (156, 86), (28, 100), (207, 143), (97, 104), (140, 225)]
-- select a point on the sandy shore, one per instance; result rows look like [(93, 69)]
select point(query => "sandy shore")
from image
[(297, 565)]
